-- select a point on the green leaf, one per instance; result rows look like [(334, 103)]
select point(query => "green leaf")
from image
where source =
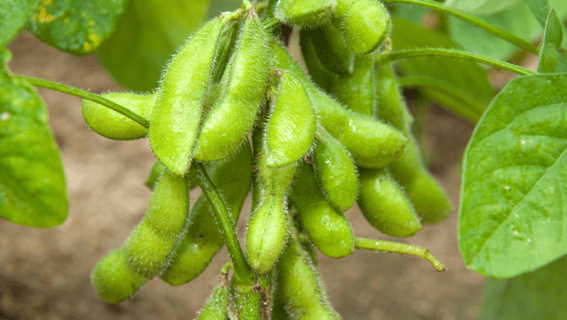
[(32, 181), (467, 78), (517, 19), (13, 16), (512, 215), (77, 27), (147, 35), (550, 58), (540, 10), (536, 295), (480, 7), (408, 11)]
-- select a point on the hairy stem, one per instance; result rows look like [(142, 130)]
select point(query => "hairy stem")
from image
[(452, 53), (502, 34), (400, 248), (242, 270), (86, 95)]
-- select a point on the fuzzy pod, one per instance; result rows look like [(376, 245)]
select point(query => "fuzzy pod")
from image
[(428, 197), (335, 171), (328, 229), (356, 90), (331, 49), (290, 128), (385, 205), (152, 244), (153, 176), (216, 307), (306, 13), (318, 72), (176, 115), (364, 24), (113, 125), (231, 119), (232, 177), (299, 287), (114, 279), (372, 143), (247, 301)]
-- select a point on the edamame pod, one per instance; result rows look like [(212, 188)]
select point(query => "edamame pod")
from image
[(217, 305), (203, 239), (114, 279), (152, 243), (267, 231), (248, 301), (153, 176), (364, 24), (227, 124), (356, 90), (330, 48), (113, 125), (290, 128), (307, 13), (385, 205), (319, 74), (335, 171), (329, 229), (372, 144), (177, 113), (300, 287), (429, 200)]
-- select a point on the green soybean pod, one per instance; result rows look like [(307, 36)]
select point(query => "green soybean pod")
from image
[(385, 205), (248, 301), (331, 48), (356, 90), (300, 287), (319, 73), (428, 197), (227, 124), (203, 239), (306, 13), (335, 171), (217, 305), (113, 278), (177, 113), (328, 229), (290, 128), (372, 144), (364, 24), (153, 176), (113, 125), (152, 243)]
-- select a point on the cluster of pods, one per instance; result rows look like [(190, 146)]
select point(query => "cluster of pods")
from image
[(311, 141)]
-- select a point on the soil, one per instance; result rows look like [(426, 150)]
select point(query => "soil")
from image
[(44, 274)]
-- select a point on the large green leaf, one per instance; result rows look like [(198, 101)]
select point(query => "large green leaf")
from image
[(147, 35), (13, 16), (517, 20), (512, 215), (536, 295), (464, 77), (75, 26), (480, 7), (32, 182)]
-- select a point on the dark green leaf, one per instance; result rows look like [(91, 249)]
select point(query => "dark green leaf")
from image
[(480, 7), (78, 27), (550, 57), (468, 78), (536, 295), (553, 30), (32, 182), (13, 16), (147, 35), (512, 215)]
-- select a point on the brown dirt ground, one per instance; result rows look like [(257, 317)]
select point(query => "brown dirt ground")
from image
[(44, 274)]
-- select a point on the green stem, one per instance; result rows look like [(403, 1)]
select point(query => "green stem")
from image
[(474, 108), (502, 34), (271, 23), (86, 95), (242, 270), (400, 248), (452, 53)]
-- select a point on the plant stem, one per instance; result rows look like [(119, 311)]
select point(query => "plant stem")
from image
[(502, 34), (452, 53), (271, 23), (86, 95), (400, 248), (475, 107), (242, 270)]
